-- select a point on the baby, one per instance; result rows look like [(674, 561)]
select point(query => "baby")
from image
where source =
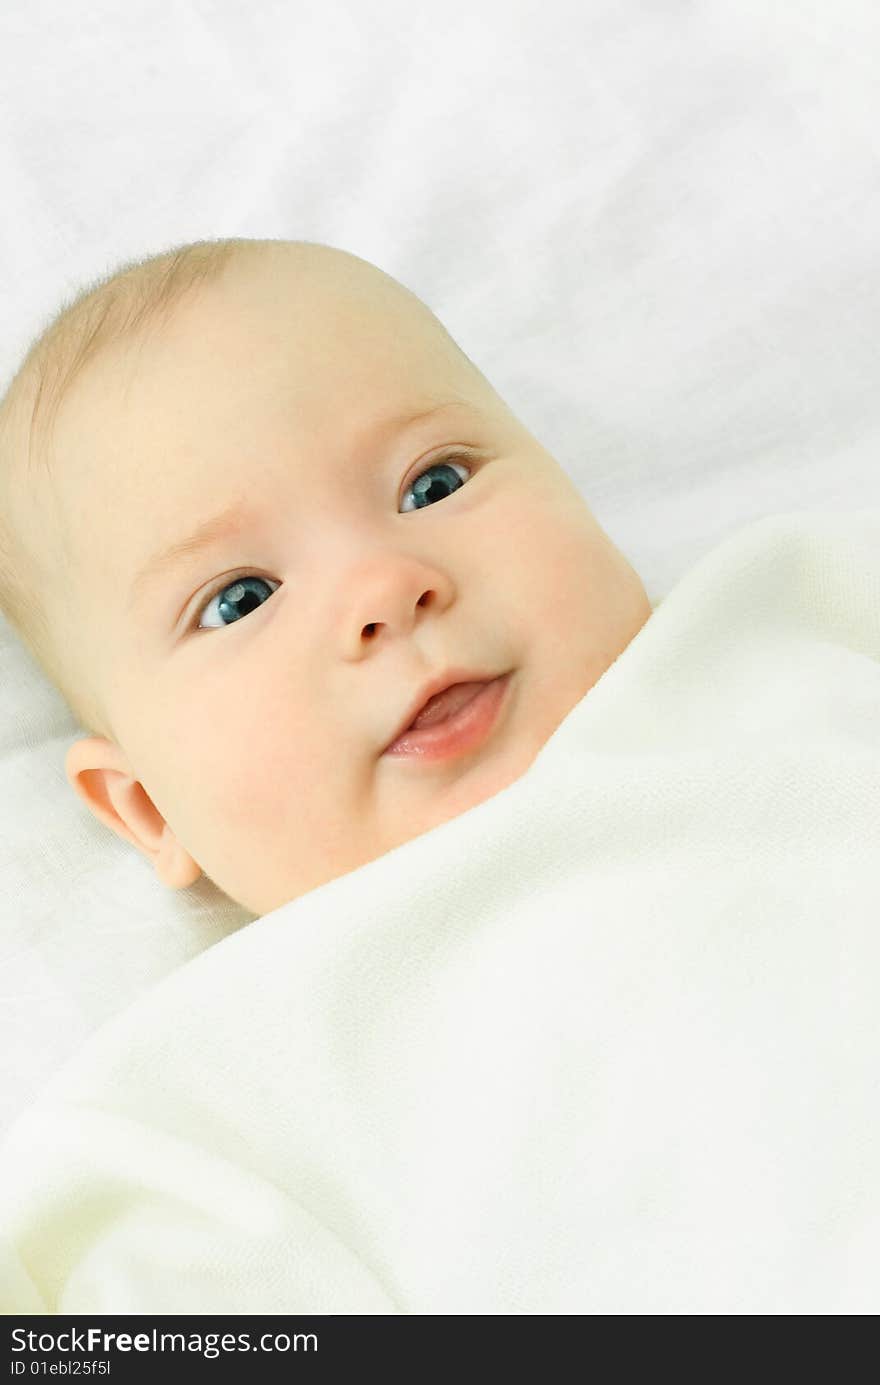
[(211, 468)]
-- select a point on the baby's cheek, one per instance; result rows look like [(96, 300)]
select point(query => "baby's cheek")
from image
[(559, 551)]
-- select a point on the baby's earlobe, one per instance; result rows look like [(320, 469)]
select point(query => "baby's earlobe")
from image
[(174, 866)]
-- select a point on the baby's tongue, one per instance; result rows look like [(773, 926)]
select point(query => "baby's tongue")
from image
[(444, 704)]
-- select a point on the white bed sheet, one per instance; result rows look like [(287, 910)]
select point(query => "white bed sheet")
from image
[(653, 226)]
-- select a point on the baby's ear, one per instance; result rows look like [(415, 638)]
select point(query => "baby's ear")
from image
[(99, 773)]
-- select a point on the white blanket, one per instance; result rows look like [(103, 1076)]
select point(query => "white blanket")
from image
[(606, 1043)]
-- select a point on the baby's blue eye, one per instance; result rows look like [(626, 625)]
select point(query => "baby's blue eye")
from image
[(237, 598), (427, 491)]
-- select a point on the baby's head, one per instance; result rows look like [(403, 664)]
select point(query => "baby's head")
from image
[(213, 468)]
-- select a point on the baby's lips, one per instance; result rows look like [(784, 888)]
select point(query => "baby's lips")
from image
[(435, 690), (445, 704)]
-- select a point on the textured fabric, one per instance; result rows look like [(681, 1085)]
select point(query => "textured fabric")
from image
[(606, 1043)]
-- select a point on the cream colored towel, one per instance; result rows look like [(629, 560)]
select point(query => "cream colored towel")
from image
[(607, 1043)]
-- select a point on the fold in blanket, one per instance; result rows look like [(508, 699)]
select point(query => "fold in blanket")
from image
[(606, 1043)]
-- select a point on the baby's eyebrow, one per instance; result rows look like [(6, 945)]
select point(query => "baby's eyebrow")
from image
[(218, 527), (222, 525)]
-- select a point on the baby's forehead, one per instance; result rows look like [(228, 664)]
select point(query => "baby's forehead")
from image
[(307, 355), (239, 367)]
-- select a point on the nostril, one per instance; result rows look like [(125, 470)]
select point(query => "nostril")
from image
[(423, 600)]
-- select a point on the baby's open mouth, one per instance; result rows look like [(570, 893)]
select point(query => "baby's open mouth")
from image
[(452, 720), (445, 704)]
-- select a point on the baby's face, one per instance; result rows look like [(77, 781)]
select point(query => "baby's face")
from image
[(254, 683)]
